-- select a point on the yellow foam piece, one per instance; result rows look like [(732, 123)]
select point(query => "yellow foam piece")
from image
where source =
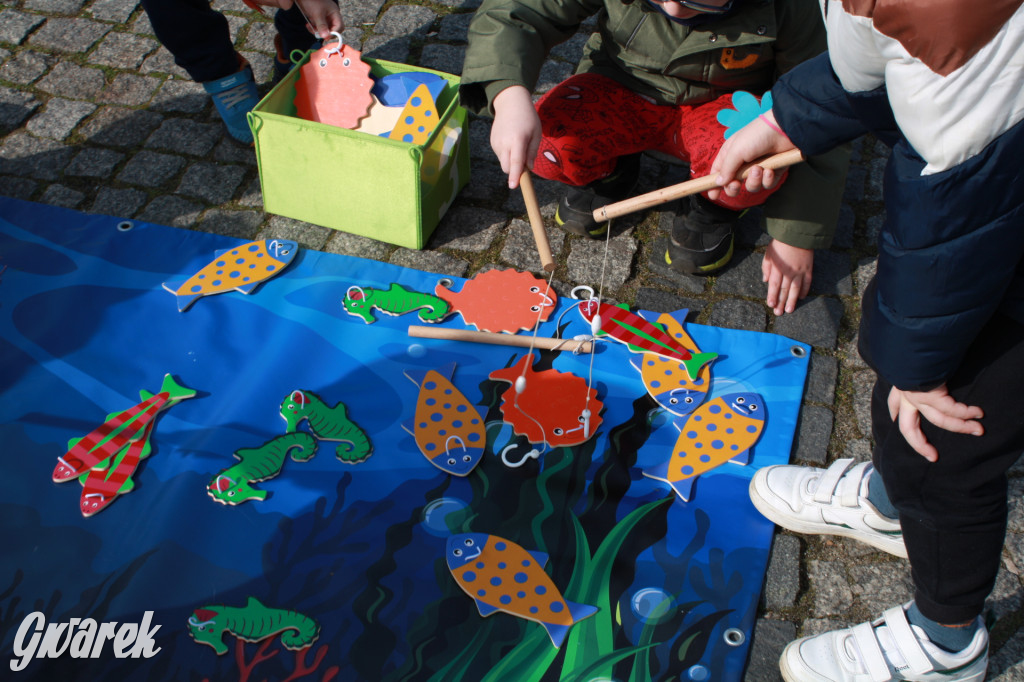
[(418, 119)]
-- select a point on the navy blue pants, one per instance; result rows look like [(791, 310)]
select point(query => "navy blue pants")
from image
[(198, 36), (953, 512)]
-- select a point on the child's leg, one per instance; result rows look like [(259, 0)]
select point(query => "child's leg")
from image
[(588, 122), (196, 35), (291, 28), (953, 511)]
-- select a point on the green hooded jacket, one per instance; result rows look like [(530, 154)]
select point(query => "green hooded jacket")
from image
[(640, 47)]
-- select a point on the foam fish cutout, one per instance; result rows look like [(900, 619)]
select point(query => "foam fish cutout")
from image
[(334, 86), (501, 301), (639, 335), (116, 432), (667, 380), (242, 268), (396, 300), (502, 576), (553, 407), (101, 486), (722, 430), (448, 429), (418, 119), (380, 120), (233, 486), (395, 89)]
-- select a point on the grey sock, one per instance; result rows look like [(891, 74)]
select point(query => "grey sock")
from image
[(952, 639), (879, 498)]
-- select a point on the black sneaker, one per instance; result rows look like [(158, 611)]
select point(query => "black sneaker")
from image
[(575, 211), (702, 240)]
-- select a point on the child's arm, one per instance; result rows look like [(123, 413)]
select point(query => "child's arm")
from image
[(787, 270), (323, 16), (515, 133)]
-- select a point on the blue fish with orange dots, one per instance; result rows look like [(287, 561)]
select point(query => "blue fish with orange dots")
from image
[(722, 430), (502, 576), (448, 429), (242, 268), (666, 379)]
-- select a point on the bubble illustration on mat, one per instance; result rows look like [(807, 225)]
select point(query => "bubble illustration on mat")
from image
[(437, 513), (651, 604)]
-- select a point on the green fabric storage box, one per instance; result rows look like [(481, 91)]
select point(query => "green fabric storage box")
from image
[(392, 191)]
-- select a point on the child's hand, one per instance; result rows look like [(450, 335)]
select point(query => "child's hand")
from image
[(323, 15), (515, 133), (752, 142), (787, 270)]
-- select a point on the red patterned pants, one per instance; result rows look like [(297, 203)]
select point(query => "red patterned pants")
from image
[(589, 121)]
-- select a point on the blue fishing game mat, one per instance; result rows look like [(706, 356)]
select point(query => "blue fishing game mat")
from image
[(340, 573)]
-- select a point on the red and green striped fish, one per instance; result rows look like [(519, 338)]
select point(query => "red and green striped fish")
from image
[(639, 335), (118, 431), (102, 486)]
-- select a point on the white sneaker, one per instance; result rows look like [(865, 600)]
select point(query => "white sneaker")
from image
[(888, 649), (831, 501)]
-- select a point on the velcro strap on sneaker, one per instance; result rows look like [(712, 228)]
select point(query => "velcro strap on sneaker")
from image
[(849, 487), (871, 654), (906, 640), (830, 479)]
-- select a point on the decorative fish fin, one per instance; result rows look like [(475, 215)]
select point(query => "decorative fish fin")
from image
[(129, 485), (658, 472), (697, 361), (254, 603), (173, 286), (409, 426), (185, 301), (684, 488), (580, 611), (742, 458), (416, 376), (637, 362), (512, 372), (175, 390), (540, 557), (248, 288), (246, 452), (220, 253), (484, 608), (447, 371), (397, 288), (557, 633)]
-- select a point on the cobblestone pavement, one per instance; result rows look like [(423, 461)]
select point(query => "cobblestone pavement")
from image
[(95, 115)]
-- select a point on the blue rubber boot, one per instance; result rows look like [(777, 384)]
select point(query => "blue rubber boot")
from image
[(235, 96)]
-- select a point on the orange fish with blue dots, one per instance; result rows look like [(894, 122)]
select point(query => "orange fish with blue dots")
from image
[(721, 430), (242, 268), (502, 576), (667, 379)]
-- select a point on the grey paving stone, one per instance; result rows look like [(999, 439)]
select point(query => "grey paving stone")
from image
[(770, 638), (307, 235), (815, 321), (171, 210), (18, 188), (821, 379), (734, 314), (856, 180), (55, 6), (588, 264), (387, 47), (70, 36), (119, 127), (782, 584), (844, 237), (162, 61), (828, 581), (130, 90), (214, 183), (866, 269), (480, 140), (520, 248), (863, 384), (831, 274), (406, 20), (151, 169), (123, 50), (117, 11), (430, 261), (1007, 595), (242, 224), (25, 66), (252, 195), (658, 301), (445, 58), (813, 434), (454, 28), (260, 37), (742, 276), (572, 49), (749, 232), (185, 136), (1015, 522), (180, 95), (859, 449), (485, 181), (15, 25), (121, 203), (4, 53), (72, 81), (874, 228), (551, 74), (362, 12), (1007, 665), (59, 195), (59, 118), (677, 280), (141, 24), (548, 195), (461, 4), (92, 162), (880, 586), (467, 228), (22, 154), (348, 244), (15, 107)]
